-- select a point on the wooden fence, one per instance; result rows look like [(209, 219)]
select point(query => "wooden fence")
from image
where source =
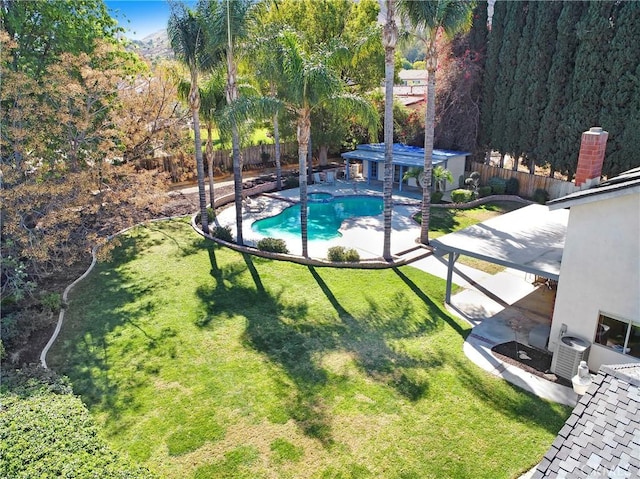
[(255, 157), (528, 183)]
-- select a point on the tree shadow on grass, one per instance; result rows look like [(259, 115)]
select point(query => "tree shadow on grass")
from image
[(434, 309), (518, 404), (443, 219)]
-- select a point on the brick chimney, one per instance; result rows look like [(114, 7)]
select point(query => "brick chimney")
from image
[(591, 157)]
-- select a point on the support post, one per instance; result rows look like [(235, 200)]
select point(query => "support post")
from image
[(400, 179), (452, 260)]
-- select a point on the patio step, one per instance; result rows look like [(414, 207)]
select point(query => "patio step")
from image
[(414, 254)]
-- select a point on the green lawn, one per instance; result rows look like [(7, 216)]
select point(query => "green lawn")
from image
[(204, 363), (260, 135)]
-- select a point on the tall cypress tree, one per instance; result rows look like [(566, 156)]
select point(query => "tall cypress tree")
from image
[(620, 113), (553, 143), (594, 32), (516, 121), (494, 42), (541, 52), (507, 60)]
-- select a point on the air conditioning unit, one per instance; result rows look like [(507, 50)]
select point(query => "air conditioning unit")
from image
[(570, 351)]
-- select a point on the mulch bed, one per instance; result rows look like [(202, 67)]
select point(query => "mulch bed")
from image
[(532, 360)]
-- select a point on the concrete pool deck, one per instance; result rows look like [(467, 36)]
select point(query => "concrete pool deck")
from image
[(365, 234)]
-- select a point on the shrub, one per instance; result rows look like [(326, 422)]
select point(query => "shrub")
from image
[(351, 256), (338, 254), (223, 233), (461, 196), (211, 214), (541, 196), (274, 245), (51, 301), (436, 196), (498, 185), (512, 187), (291, 182), (484, 191)]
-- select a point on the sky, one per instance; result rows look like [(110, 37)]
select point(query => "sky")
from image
[(140, 17)]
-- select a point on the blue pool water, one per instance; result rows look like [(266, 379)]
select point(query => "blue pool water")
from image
[(324, 218)]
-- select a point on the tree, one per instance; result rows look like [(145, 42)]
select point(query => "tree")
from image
[(553, 143), (389, 41), (45, 30), (309, 83), (620, 113), (188, 43), (428, 19), (228, 21), (488, 103)]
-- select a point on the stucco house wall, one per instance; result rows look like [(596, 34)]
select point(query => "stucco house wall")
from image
[(600, 272)]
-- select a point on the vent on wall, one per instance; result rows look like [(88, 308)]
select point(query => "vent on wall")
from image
[(571, 350)]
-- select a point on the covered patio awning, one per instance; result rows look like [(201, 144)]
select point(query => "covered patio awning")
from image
[(529, 239)]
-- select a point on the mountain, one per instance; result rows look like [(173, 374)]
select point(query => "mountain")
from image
[(154, 47)]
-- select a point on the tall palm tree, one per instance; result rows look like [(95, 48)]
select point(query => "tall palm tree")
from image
[(310, 83), (187, 41), (389, 41), (227, 22), (428, 18), (212, 94)]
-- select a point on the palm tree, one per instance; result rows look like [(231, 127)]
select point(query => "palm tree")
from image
[(309, 84), (428, 18), (187, 41), (389, 41), (212, 94), (227, 21)]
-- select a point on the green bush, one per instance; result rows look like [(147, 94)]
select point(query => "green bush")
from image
[(498, 185), (51, 301), (46, 431), (461, 196), (223, 233), (512, 187), (274, 245), (541, 196), (211, 214), (291, 182), (484, 191), (351, 256), (436, 196), (339, 254)]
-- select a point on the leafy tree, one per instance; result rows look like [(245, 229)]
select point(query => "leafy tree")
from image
[(620, 113), (553, 144), (188, 42), (429, 18), (44, 30), (389, 41), (491, 69), (513, 24), (540, 55)]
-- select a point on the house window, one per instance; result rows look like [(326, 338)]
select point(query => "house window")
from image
[(620, 335)]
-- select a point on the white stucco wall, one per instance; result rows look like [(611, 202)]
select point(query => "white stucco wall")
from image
[(600, 272)]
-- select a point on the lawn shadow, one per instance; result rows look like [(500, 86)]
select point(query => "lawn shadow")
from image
[(443, 219), (519, 404), (276, 329), (434, 309), (368, 338)]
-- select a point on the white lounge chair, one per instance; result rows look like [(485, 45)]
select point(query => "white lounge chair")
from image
[(331, 177), (317, 178)]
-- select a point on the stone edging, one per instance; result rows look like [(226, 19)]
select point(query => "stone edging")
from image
[(65, 295)]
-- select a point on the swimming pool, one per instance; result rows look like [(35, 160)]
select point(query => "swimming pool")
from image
[(324, 218)]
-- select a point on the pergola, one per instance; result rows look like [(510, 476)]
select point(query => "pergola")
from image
[(529, 239)]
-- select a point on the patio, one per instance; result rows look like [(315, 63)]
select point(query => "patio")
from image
[(365, 234)]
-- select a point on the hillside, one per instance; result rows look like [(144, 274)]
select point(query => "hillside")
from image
[(154, 47)]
